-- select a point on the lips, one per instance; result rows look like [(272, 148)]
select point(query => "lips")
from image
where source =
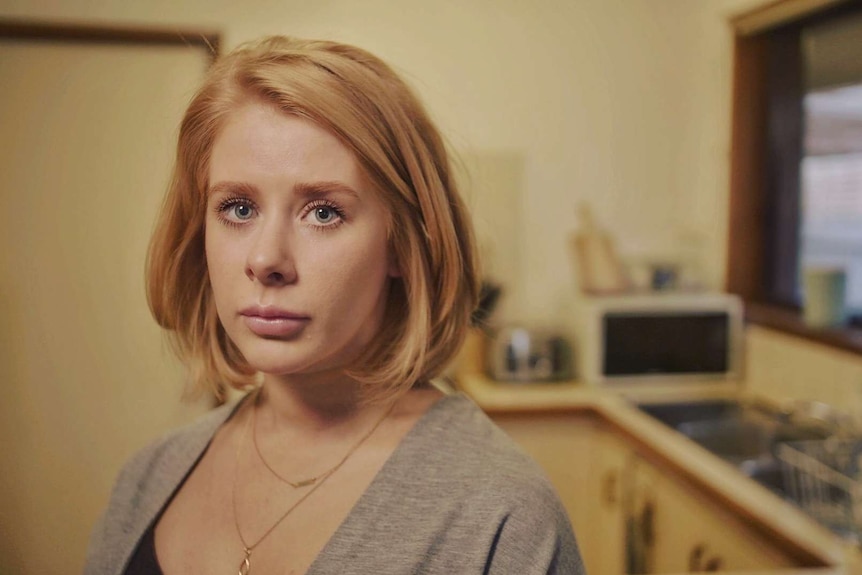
[(274, 322)]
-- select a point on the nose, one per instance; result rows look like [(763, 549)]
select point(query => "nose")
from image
[(270, 261)]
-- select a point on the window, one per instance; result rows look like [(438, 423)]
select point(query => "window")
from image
[(831, 176), (796, 180)]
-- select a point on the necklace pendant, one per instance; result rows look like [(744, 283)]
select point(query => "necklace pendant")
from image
[(245, 566), (304, 483)]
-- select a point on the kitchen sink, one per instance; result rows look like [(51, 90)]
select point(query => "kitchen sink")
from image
[(675, 414), (767, 472), (809, 456), (735, 438), (743, 434)]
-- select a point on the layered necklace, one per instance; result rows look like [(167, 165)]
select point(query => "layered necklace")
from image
[(316, 482)]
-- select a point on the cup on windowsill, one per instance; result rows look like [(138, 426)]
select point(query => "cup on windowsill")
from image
[(824, 289)]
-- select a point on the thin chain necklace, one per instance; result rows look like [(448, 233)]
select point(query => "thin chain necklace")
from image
[(248, 548), (294, 484)]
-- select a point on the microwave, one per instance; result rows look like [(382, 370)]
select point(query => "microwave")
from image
[(661, 337)]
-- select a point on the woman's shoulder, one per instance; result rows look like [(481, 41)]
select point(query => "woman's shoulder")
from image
[(457, 452), (504, 486), (470, 498), (144, 483), (165, 461), (458, 434), (178, 446)]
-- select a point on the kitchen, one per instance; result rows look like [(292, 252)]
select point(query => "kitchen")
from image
[(623, 104)]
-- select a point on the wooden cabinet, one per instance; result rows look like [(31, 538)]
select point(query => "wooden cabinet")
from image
[(633, 513), (672, 525), (610, 491), (568, 448), (563, 447)]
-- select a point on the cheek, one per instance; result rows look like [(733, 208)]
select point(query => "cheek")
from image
[(357, 273), (222, 256)]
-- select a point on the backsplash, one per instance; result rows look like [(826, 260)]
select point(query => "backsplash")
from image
[(783, 367)]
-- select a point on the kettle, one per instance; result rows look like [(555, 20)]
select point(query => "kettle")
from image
[(525, 355)]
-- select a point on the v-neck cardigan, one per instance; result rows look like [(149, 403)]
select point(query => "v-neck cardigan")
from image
[(457, 496)]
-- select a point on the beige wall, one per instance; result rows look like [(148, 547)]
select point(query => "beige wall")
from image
[(624, 103), (595, 96)]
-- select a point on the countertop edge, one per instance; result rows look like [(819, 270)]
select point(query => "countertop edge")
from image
[(616, 406)]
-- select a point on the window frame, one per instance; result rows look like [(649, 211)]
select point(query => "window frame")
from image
[(766, 148)]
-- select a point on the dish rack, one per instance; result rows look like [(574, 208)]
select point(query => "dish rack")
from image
[(824, 478)]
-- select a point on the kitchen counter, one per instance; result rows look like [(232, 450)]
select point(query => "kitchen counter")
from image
[(778, 519)]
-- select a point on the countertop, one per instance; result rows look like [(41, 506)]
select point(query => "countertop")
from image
[(716, 476)]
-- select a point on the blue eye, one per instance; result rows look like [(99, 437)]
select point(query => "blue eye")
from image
[(236, 210), (242, 211), (324, 214)]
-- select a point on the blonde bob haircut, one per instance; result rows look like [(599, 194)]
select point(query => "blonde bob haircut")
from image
[(359, 99)]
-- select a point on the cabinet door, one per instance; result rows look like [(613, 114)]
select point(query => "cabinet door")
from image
[(560, 444), (86, 146), (612, 485), (565, 447), (632, 514), (689, 531)]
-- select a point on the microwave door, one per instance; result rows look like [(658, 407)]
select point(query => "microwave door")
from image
[(667, 343)]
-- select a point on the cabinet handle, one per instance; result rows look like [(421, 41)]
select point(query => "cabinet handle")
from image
[(695, 557), (648, 523), (609, 488)]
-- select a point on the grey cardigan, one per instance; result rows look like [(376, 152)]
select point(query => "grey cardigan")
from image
[(457, 496)]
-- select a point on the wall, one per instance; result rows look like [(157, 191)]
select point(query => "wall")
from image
[(595, 97)]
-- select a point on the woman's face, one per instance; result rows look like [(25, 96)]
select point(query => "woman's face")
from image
[(296, 244)]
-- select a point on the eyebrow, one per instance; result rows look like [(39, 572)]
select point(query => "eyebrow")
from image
[(318, 189), (311, 189), (230, 187)]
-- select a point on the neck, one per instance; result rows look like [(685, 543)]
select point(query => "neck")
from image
[(314, 404)]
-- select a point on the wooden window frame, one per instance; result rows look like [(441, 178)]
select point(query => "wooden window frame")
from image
[(766, 147)]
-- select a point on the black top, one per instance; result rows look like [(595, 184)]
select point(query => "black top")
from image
[(144, 560)]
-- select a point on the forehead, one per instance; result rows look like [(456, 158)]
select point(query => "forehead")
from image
[(258, 140)]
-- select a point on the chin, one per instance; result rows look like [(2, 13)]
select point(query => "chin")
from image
[(278, 364), (301, 355), (278, 358)]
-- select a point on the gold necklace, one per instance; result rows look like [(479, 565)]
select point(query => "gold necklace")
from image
[(294, 484), (245, 565)]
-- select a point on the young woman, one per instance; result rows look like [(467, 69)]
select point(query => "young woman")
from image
[(313, 248)]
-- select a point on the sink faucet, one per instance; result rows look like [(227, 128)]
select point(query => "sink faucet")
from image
[(818, 414)]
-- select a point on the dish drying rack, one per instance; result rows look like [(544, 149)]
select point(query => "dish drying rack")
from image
[(824, 478)]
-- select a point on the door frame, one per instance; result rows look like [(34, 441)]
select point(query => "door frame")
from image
[(45, 31)]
